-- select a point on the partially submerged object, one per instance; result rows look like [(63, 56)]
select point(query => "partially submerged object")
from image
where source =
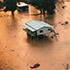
[(22, 7), (37, 28), (35, 65)]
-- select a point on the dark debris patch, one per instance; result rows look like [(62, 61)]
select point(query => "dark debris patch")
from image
[(65, 23), (12, 50), (35, 65), (59, 22), (62, 24), (63, 7)]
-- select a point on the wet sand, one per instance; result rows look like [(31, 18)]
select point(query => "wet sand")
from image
[(17, 52)]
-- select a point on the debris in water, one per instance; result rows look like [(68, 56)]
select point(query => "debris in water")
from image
[(52, 36), (35, 65), (67, 67), (12, 50), (59, 22), (56, 34), (62, 24), (66, 22), (63, 7)]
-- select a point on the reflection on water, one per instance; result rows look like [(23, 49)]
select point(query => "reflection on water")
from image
[(38, 43)]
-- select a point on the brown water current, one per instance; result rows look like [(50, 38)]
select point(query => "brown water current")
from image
[(17, 52)]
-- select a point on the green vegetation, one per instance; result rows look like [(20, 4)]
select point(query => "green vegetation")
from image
[(1, 5), (44, 5), (9, 5)]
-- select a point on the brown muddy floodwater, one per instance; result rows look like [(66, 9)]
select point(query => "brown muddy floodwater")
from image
[(17, 52)]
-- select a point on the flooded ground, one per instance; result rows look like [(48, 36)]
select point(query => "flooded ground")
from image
[(17, 52)]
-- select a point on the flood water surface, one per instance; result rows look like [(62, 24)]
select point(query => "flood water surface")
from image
[(17, 52)]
